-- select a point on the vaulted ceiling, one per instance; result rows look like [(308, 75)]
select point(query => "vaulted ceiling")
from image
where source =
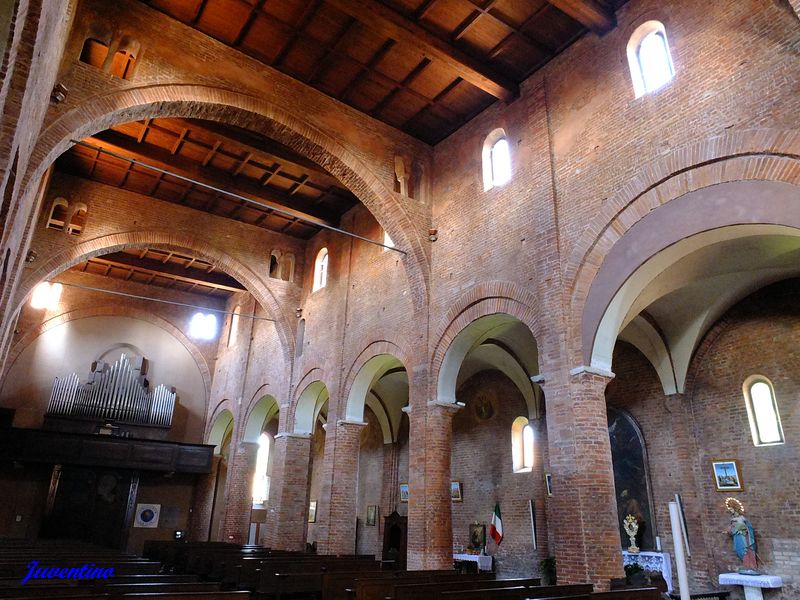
[(423, 66)]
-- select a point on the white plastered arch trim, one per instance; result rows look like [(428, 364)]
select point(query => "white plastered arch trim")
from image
[(491, 356), (467, 340), (486, 156), (263, 412), (217, 434), (309, 404), (644, 336), (618, 314), (383, 419), (371, 371)]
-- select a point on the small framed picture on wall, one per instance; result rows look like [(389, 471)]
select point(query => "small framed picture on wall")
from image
[(455, 491), (727, 475), (372, 514), (548, 483), (312, 511), (403, 492)]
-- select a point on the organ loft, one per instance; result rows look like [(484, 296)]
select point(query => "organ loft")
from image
[(494, 298)]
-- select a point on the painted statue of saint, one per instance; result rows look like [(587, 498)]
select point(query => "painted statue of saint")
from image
[(744, 538)]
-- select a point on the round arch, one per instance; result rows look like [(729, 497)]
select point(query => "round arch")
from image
[(736, 155), (222, 422), (263, 411), (721, 217), (105, 310), (497, 340), (309, 403), (258, 115), (361, 394), (169, 240)]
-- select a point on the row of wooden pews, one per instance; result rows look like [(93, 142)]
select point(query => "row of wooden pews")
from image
[(133, 577), (277, 575)]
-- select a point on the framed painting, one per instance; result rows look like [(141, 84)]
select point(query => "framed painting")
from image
[(477, 536), (372, 514), (455, 491), (727, 475), (403, 492), (548, 483)]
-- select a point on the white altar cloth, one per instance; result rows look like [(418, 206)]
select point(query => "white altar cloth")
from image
[(651, 561), (484, 562), (752, 583)]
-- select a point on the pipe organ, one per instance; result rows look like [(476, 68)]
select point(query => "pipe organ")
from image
[(117, 392)]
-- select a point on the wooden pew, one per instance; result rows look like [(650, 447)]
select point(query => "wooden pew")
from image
[(384, 587), (340, 586), (189, 596), (562, 592), (432, 590)]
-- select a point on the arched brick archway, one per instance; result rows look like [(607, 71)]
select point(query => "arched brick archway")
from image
[(484, 299), (255, 114), (115, 310), (372, 350), (751, 155), (170, 240)]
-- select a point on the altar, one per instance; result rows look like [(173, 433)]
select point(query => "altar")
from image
[(651, 561), (484, 562)]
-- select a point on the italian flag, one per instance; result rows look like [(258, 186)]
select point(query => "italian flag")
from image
[(496, 528)]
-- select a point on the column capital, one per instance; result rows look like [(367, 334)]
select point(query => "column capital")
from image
[(451, 407), (291, 434), (540, 379), (342, 422), (590, 370)]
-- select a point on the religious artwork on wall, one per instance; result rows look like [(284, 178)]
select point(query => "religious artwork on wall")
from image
[(548, 483), (455, 491), (477, 536), (631, 479), (372, 514), (726, 475), (312, 511), (147, 515), (403, 492)]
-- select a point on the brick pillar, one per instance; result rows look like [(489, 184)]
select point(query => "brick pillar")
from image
[(203, 503), (239, 493), (584, 506), (337, 531), (438, 526), (287, 511)]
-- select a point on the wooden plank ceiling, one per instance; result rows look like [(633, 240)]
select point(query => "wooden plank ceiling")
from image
[(297, 195), (162, 268), (423, 66)]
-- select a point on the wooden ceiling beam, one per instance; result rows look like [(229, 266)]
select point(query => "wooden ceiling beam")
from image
[(123, 260), (162, 159), (391, 23), (589, 13)]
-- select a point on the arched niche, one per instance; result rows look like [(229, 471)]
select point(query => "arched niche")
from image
[(262, 413), (223, 422), (309, 405)]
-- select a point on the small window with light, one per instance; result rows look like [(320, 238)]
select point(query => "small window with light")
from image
[(522, 445), (496, 158), (320, 270), (762, 411), (649, 58)]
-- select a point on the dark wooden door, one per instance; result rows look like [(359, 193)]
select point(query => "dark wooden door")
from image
[(88, 504), (395, 538)]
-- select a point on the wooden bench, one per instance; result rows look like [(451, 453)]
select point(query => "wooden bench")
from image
[(432, 590), (188, 596)]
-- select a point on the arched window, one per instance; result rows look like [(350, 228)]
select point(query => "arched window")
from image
[(762, 411), (58, 214), (46, 295), (203, 327), (274, 265), (233, 334), (496, 158), (261, 477), (649, 58), (77, 219), (522, 445), (320, 270)]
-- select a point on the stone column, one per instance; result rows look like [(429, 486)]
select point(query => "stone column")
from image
[(287, 511), (239, 493), (203, 503), (340, 481), (584, 506), (438, 526)]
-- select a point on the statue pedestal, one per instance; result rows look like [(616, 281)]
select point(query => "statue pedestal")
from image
[(752, 584)]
